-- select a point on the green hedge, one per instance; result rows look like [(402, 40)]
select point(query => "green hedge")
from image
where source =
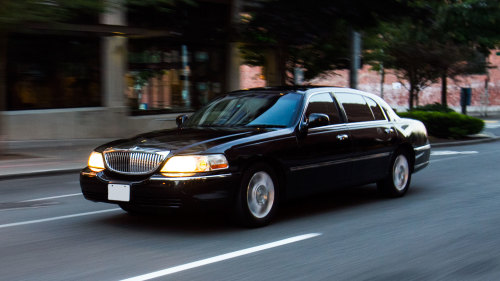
[(434, 107), (446, 124)]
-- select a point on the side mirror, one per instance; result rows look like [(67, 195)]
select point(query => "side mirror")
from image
[(180, 120), (318, 120)]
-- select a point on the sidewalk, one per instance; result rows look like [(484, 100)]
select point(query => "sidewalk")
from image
[(46, 157), (36, 158)]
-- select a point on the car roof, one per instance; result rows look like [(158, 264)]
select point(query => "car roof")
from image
[(286, 89), (308, 89)]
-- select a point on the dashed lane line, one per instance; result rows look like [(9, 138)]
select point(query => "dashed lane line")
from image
[(53, 197), (223, 257), (57, 218)]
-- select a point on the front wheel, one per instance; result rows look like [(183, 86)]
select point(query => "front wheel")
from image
[(396, 184), (257, 198)]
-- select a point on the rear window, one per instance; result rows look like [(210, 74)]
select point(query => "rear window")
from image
[(377, 112)]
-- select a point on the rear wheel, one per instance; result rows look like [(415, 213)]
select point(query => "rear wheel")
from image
[(257, 198), (397, 182)]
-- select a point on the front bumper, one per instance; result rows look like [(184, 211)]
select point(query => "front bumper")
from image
[(160, 191), (422, 156)]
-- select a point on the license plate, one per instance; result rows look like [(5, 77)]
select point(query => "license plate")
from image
[(119, 192)]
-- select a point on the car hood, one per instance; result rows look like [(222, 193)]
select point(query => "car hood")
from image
[(183, 141)]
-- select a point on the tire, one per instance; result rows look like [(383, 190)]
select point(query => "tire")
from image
[(257, 198), (397, 183)]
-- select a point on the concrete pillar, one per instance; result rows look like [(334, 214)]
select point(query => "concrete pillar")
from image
[(114, 57), (114, 68), (234, 59), (233, 69)]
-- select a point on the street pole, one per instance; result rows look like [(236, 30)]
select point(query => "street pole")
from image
[(355, 59)]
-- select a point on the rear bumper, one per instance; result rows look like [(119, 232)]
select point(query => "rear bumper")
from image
[(161, 191)]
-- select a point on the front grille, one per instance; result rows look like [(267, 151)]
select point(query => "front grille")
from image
[(133, 162)]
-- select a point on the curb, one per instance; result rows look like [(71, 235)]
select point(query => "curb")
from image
[(460, 143), (40, 173)]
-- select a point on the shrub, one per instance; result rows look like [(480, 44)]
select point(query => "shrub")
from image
[(446, 124), (433, 107)]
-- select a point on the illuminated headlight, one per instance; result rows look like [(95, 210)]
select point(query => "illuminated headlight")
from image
[(96, 162), (187, 165)]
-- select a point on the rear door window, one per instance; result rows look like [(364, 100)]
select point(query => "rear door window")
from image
[(355, 107)]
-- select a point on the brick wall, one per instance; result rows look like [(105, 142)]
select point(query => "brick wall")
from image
[(395, 92)]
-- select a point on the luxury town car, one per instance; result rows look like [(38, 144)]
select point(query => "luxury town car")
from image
[(251, 149)]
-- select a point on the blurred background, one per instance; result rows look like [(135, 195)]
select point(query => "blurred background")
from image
[(94, 69)]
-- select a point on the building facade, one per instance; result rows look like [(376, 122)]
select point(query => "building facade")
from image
[(125, 72)]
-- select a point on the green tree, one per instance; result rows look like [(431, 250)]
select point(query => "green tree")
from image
[(314, 34), (468, 31), (453, 40)]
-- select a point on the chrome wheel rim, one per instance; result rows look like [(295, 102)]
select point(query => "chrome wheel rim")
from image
[(260, 194), (400, 172)]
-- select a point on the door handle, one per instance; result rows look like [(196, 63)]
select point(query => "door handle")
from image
[(342, 137)]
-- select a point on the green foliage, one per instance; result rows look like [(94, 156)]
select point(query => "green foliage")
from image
[(13, 12), (160, 5), (447, 125), (434, 107), (453, 40), (313, 35)]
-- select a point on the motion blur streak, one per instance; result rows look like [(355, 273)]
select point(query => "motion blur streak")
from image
[(223, 257)]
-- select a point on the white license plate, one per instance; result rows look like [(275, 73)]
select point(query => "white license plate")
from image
[(119, 192)]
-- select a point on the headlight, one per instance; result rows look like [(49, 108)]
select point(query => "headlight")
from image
[(96, 162), (186, 165)]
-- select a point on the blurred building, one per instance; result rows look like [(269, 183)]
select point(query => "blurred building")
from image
[(117, 73)]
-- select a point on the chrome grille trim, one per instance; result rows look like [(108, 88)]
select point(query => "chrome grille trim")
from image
[(131, 162)]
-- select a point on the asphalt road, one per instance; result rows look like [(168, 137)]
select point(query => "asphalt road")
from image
[(446, 228)]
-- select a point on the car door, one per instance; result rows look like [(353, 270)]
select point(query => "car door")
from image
[(372, 136), (321, 161)]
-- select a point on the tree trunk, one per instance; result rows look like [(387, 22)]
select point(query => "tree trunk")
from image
[(382, 81), (355, 59), (411, 97), (444, 89), (3, 82)]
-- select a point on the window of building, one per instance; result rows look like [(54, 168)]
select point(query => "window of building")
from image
[(173, 77), (50, 71)]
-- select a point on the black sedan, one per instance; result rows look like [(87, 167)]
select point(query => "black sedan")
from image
[(251, 149)]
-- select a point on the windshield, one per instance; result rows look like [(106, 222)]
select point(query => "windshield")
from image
[(248, 110)]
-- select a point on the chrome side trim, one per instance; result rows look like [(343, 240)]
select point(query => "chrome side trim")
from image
[(421, 164), (159, 178), (423, 147), (336, 162)]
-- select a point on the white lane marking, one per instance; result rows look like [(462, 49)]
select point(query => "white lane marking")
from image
[(449, 152), (53, 197), (58, 218), (223, 257)]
